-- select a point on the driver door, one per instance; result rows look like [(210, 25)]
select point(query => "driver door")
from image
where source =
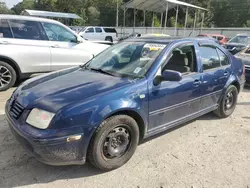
[(65, 51), (171, 101)]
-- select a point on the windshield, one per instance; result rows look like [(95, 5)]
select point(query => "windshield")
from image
[(240, 39), (127, 59)]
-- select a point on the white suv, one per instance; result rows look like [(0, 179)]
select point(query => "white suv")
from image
[(31, 45), (99, 33)]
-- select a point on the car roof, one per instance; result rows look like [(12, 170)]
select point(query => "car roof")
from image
[(166, 40), (28, 18)]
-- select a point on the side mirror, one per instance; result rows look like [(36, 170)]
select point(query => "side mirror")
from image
[(168, 75), (79, 39)]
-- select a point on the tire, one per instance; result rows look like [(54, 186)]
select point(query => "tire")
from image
[(100, 155), (228, 102), (7, 76), (110, 39)]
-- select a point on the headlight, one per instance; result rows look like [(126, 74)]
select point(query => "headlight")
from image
[(39, 118)]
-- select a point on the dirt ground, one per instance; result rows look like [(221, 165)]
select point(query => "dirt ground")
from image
[(208, 152)]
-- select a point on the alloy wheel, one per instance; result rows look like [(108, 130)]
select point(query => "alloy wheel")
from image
[(5, 76)]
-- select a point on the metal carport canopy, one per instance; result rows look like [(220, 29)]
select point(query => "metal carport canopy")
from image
[(161, 6), (157, 5), (50, 14)]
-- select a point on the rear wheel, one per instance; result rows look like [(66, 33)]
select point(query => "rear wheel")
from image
[(228, 102), (110, 39), (114, 142), (7, 76)]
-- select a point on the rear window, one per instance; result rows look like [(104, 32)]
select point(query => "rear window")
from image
[(109, 30), (5, 31)]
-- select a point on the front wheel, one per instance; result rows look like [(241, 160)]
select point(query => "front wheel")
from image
[(114, 142), (228, 102)]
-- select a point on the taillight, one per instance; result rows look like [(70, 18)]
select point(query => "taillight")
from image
[(244, 70)]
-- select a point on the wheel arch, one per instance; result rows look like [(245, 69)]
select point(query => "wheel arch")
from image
[(13, 64), (136, 116)]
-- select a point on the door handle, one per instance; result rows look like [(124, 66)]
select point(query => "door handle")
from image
[(226, 73), (197, 82), (55, 46), (4, 42)]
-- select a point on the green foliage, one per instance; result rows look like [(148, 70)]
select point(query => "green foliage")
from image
[(4, 9)]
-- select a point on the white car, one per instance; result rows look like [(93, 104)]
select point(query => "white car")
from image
[(99, 34), (31, 45)]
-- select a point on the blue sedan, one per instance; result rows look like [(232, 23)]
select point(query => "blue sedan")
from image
[(135, 89)]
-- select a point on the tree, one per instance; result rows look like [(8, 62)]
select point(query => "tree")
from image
[(4, 9), (25, 4), (93, 16)]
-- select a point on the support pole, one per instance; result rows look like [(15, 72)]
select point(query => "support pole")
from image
[(153, 21), (124, 17), (195, 16), (117, 13), (144, 18), (186, 19), (161, 19), (176, 21), (134, 20), (202, 22), (166, 17)]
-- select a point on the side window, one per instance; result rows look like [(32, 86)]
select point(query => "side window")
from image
[(109, 30), (5, 31), (209, 57), (58, 33), (98, 30), (89, 30), (220, 38), (183, 59), (223, 58), (23, 29)]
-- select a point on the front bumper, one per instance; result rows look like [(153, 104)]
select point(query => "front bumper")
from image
[(53, 151)]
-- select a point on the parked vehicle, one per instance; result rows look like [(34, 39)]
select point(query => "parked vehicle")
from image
[(75, 28), (238, 43), (99, 33), (131, 35), (131, 91), (244, 56), (221, 38), (35, 45)]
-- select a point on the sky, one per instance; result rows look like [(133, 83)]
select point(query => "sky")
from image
[(11, 3)]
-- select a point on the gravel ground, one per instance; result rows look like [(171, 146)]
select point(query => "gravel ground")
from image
[(208, 152)]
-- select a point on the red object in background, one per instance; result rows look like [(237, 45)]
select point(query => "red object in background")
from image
[(221, 38)]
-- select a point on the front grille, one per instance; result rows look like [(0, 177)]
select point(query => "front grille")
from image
[(16, 109)]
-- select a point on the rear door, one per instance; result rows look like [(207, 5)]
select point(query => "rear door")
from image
[(26, 43), (216, 71), (65, 51), (99, 34)]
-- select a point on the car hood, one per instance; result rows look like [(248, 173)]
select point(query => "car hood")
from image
[(56, 90)]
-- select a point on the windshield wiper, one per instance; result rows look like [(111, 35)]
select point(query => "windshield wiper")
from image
[(100, 70)]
